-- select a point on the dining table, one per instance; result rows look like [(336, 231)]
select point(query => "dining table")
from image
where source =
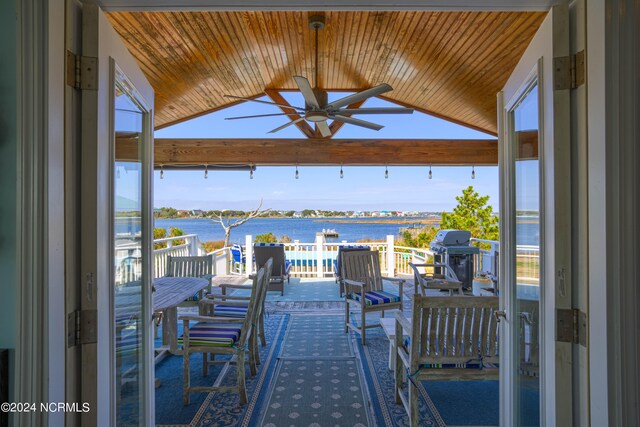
[(168, 293)]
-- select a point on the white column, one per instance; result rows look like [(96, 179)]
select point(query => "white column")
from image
[(193, 246), (248, 267), (319, 254), (391, 256)]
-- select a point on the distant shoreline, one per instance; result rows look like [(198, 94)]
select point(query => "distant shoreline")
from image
[(425, 221)]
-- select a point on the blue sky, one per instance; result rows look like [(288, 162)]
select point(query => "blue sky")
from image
[(362, 188)]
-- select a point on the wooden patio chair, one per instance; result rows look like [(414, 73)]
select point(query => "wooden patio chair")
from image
[(281, 267), (432, 280), (449, 339), (191, 266), (337, 263), (222, 335), (236, 306), (364, 289)]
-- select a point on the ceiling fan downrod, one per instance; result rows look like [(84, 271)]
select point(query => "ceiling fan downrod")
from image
[(316, 22)]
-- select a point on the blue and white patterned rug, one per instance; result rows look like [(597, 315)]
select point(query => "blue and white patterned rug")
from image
[(442, 403), (318, 378), (304, 290), (216, 409)]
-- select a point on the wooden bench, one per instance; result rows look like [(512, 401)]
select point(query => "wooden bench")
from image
[(449, 338)]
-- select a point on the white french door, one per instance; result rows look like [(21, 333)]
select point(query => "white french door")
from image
[(116, 229), (533, 109)]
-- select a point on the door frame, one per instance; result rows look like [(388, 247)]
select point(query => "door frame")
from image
[(551, 40), (508, 244), (40, 95), (147, 237), (99, 40)]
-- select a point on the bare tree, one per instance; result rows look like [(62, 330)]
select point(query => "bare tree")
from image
[(230, 224)]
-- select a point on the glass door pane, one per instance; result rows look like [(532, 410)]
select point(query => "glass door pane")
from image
[(129, 256), (525, 125)]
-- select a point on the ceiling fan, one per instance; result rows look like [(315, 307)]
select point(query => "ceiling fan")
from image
[(317, 108)]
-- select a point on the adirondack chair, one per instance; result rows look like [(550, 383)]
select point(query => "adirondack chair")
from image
[(262, 253), (431, 280), (364, 289), (337, 263), (449, 339), (191, 266), (223, 335)]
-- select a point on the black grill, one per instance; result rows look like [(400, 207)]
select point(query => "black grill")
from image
[(453, 247)]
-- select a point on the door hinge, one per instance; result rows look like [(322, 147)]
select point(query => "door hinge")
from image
[(568, 71), (82, 71), (81, 327), (571, 326)]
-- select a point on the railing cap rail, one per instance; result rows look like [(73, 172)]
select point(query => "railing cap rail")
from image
[(166, 239)]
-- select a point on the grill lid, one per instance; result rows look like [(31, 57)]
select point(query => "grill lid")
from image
[(452, 238)]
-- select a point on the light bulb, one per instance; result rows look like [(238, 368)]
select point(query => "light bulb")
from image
[(430, 174), (386, 172), (161, 172), (206, 171), (251, 174), (297, 173), (341, 172), (473, 172)]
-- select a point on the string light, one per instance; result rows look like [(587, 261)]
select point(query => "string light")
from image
[(341, 172), (206, 171), (297, 173), (430, 174), (161, 171), (386, 172), (251, 172), (473, 172)]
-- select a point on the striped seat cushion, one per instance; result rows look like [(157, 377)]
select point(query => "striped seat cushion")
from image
[(213, 334), (471, 364), (230, 310), (376, 297)]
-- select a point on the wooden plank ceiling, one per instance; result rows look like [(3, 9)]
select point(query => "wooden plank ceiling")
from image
[(450, 64)]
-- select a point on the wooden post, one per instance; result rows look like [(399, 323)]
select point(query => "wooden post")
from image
[(248, 266), (391, 256), (319, 255)]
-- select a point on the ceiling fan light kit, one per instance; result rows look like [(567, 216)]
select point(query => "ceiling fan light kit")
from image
[(318, 110)]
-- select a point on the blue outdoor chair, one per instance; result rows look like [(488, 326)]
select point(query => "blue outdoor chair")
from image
[(239, 259)]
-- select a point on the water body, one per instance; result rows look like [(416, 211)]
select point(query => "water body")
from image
[(303, 229)]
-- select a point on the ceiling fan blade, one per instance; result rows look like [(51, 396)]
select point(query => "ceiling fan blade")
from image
[(375, 111), (261, 115), (286, 125), (323, 127), (264, 102), (356, 122), (307, 91), (360, 96)]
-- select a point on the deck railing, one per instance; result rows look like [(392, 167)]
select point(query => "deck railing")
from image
[(315, 259)]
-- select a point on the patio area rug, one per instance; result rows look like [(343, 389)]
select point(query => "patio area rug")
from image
[(215, 409), (318, 379), (442, 403), (298, 289)]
